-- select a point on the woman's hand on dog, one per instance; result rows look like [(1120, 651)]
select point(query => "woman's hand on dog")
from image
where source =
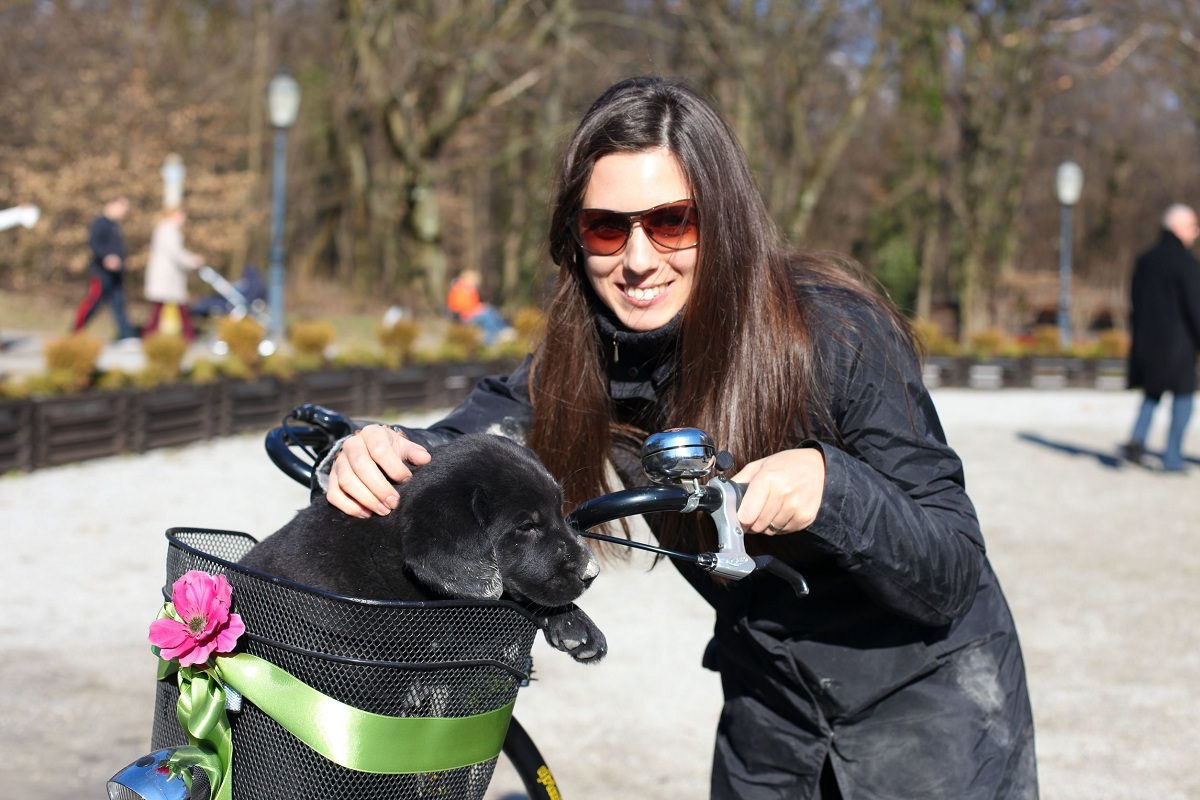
[(366, 469)]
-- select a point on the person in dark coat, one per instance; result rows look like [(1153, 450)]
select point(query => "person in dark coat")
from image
[(901, 674), (106, 270), (1165, 333)]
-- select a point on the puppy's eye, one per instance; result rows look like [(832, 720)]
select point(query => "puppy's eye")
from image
[(528, 526)]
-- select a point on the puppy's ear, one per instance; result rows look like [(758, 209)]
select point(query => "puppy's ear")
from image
[(454, 554)]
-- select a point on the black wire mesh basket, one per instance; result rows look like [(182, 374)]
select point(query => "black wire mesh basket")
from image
[(442, 659)]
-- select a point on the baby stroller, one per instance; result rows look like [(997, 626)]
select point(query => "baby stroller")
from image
[(245, 298)]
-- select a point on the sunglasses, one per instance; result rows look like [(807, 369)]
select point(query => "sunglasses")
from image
[(674, 226)]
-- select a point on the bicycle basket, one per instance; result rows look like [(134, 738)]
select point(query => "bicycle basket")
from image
[(444, 659)]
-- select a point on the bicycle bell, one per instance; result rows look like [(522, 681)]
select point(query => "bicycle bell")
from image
[(677, 455)]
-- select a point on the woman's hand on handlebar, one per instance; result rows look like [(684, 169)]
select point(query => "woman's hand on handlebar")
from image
[(365, 469), (783, 491)]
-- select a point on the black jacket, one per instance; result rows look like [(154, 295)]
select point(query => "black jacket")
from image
[(104, 239), (903, 666), (1165, 319)]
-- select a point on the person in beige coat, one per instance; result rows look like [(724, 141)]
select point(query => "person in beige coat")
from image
[(166, 276)]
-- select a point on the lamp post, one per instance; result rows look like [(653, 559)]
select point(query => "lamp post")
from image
[(283, 103), (1068, 184), (173, 172)]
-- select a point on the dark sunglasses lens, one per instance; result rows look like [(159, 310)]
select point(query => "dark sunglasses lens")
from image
[(675, 226), (602, 233)]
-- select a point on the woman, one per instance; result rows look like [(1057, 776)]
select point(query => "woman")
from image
[(901, 674), (166, 277)]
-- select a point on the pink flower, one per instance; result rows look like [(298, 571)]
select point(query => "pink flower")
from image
[(202, 624)]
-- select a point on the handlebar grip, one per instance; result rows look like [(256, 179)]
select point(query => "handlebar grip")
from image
[(327, 426), (630, 502), (279, 443), (334, 424)]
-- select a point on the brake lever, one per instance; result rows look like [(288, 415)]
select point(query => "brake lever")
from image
[(732, 561), (782, 570)]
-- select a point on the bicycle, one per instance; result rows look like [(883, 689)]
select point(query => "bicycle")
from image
[(685, 468)]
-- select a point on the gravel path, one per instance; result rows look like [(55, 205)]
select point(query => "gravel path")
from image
[(1097, 560)]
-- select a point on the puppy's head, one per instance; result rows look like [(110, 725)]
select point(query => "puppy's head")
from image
[(540, 558), (503, 512)]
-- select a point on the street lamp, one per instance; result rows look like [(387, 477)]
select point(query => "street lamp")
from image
[(283, 103), (173, 172), (1068, 185)]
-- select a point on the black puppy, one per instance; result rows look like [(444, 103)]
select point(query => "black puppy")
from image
[(483, 519)]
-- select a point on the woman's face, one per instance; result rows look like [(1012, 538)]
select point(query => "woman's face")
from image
[(644, 284)]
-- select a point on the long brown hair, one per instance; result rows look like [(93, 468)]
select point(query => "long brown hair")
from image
[(744, 366)]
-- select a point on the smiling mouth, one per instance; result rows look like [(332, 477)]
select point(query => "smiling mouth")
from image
[(644, 293)]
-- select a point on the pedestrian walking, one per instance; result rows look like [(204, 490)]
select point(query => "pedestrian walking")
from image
[(1165, 329), (106, 270), (167, 274)]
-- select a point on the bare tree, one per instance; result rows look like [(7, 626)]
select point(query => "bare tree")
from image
[(921, 135), (418, 73)]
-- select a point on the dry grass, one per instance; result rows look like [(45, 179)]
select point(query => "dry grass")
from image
[(51, 310), (46, 311)]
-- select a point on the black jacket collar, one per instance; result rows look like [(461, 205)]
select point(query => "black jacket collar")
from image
[(639, 363)]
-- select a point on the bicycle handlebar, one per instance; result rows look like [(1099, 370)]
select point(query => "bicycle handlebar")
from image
[(279, 445), (323, 429), (719, 498)]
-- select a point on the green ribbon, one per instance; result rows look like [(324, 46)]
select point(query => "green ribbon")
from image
[(201, 713), (361, 740), (355, 739)]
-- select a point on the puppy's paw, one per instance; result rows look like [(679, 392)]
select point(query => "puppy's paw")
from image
[(573, 632)]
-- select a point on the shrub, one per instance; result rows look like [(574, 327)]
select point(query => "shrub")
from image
[(46, 383), (10, 387), (277, 365), (310, 341), (361, 356), (530, 325), (204, 370), (931, 339), (1046, 341), (462, 343), (1112, 343), (513, 349), (114, 379), (243, 336), (397, 340), (71, 362), (237, 369), (990, 344), (164, 358)]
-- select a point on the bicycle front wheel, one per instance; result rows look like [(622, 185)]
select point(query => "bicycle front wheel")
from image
[(529, 764)]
